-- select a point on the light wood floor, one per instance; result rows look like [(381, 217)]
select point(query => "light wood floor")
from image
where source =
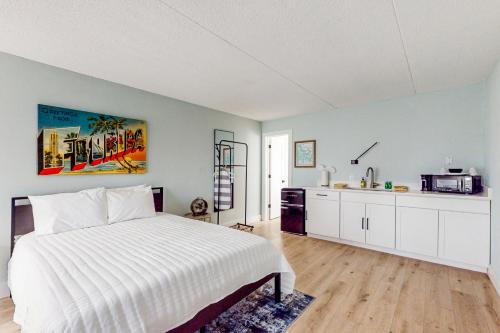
[(359, 290)]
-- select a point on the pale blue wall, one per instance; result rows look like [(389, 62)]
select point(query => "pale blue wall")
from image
[(493, 164), (415, 133), (180, 140)]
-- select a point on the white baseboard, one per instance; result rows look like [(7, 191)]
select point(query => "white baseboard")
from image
[(495, 280), (404, 254), (4, 289)]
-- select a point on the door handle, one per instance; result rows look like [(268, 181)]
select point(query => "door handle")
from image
[(363, 223), (367, 223)]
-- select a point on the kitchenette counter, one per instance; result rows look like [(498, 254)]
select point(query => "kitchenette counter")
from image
[(485, 195), (445, 228)]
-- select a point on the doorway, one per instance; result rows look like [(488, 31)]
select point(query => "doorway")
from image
[(277, 171)]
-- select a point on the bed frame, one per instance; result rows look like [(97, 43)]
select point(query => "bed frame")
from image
[(22, 223)]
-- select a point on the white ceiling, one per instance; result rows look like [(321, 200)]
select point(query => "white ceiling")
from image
[(262, 59)]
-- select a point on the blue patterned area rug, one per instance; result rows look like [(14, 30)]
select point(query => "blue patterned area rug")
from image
[(259, 313)]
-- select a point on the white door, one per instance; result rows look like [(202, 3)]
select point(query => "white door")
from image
[(352, 221), (278, 172), (381, 225), (464, 237), (322, 217), (417, 230)]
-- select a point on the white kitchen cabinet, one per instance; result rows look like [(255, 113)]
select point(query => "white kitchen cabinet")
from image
[(448, 202), (380, 225), (417, 230), (352, 221), (322, 217), (368, 218), (442, 228), (464, 237)]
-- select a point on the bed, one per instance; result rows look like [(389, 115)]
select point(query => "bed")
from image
[(158, 274)]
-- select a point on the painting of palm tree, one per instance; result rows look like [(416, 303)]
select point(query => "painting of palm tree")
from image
[(109, 124), (105, 143), (48, 158)]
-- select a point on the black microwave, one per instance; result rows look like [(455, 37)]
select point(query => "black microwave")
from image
[(464, 184)]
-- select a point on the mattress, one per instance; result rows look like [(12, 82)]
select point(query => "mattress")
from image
[(145, 275)]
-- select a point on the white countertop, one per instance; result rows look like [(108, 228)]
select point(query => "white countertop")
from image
[(485, 195)]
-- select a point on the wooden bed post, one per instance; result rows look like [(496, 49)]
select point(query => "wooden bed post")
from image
[(277, 288)]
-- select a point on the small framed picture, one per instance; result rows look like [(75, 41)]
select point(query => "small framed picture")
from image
[(305, 154)]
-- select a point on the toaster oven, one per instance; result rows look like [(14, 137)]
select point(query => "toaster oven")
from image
[(464, 184)]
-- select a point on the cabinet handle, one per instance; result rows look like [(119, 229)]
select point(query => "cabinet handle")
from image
[(306, 214), (363, 223), (367, 223), (321, 195)]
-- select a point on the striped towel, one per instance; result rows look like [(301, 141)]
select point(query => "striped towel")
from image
[(225, 195)]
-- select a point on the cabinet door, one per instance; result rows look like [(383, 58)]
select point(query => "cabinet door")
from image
[(322, 217), (352, 221), (417, 230), (464, 237), (381, 225)]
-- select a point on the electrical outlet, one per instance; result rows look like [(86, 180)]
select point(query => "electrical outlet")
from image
[(448, 160)]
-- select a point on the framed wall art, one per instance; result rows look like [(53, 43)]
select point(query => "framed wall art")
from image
[(73, 142), (305, 154)]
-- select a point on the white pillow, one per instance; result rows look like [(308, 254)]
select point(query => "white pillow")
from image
[(128, 204), (62, 212), (130, 188)]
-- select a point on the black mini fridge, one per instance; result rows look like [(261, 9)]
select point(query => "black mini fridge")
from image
[(293, 210)]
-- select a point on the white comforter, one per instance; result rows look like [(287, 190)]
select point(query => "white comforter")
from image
[(147, 275)]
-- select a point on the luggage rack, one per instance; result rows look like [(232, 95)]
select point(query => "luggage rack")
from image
[(217, 165)]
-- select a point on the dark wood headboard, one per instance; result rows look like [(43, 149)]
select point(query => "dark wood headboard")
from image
[(22, 215)]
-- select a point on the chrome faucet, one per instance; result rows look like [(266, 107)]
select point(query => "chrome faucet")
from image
[(370, 178)]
